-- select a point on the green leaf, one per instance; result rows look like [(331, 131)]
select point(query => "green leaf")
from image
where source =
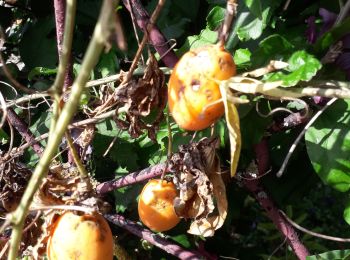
[(206, 37), (273, 47), (3, 137), (334, 255), (328, 145), (41, 71), (255, 7), (215, 17), (242, 58), (38, 45), (302, 67), (346, 213), (108, 64), (182, 240), (253, 17), (42, 125), (126, 197)]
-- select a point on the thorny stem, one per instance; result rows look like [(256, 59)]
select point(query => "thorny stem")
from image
[(154, 239), (95, 47)]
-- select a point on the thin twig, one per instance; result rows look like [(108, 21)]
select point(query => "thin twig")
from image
[(75, 155), (156, 38), (314, 234), (300, 136), (64, 207), (149, 27), (135, 30)]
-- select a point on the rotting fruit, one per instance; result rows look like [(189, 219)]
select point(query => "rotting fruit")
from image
[(193, 89), (156, 205), (80, 237)]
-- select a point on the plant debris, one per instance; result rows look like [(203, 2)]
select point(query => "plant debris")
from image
[(202, 195), (138, 97)]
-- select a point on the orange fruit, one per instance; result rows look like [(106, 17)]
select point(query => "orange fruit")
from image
[(193, 89), (85, 237), (156, 205)]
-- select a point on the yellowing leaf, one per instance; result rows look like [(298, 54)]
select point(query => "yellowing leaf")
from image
[(232, 121)]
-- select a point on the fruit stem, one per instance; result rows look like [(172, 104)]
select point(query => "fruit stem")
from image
[(94, 50)]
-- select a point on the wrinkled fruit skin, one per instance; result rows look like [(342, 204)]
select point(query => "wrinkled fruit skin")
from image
[(193, 85), (156, 205), (86, 237)]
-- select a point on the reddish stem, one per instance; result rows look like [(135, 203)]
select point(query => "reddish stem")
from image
[(255, 187), (156, 38), (22, 128), (60, 7), (155, 239), (135, 177), (277, 218)]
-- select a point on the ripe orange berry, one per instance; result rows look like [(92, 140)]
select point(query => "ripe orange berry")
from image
[(156, 205), (86, 237), (193, 86)]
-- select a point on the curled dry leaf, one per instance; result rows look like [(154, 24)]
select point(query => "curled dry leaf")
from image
[(138, 97), (202, 195), (63, 186)]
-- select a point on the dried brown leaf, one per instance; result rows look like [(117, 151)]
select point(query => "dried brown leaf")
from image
[(138, 97), (202, 195)]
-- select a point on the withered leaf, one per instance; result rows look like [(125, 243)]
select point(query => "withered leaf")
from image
[(232, 119), (202, 195), (138, 97)]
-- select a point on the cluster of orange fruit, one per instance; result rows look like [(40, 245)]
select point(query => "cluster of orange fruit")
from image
[(194, 102)]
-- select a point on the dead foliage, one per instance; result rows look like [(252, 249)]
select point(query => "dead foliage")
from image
[(138, 98), (202, 196)]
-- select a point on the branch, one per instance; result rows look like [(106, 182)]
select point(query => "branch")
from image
[(93, 52), (155, 239), (135, 177), (255, 187), (60, 6), (22, 128), (156, 38), (277, 218)]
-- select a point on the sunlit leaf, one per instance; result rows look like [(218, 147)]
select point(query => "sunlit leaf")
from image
[(302, 67), (328, 145), (334, 255)]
